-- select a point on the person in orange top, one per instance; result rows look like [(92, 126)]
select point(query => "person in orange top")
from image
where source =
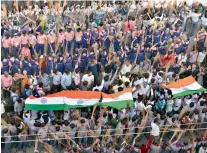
[(25, 52), (24, 79)]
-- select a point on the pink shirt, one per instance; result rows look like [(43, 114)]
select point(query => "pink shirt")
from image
[(61, 37), (69, 35), (100, 29), (24, 39), (41, 39), (32, 40), (6, 42), (129, 26), (193, 57), (16, 41), (6, 81), (51, 38), (78, 36), (26, 52)]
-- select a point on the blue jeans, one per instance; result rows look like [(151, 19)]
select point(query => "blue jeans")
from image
[(84, 140), (69, 46), (22, 145), (78, 44), (6, 52), (40, 48), (49, 48), (192, 28), (7, 147), (15, 51)]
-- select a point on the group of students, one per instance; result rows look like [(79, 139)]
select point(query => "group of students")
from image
[(104, 46)]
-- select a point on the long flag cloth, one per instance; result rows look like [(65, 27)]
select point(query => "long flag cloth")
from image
[(77, 99), (184, 87)]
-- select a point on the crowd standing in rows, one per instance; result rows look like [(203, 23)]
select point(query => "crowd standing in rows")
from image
[(48, 47)]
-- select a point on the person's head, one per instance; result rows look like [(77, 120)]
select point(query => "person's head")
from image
[(77, 70), (6, 74), (57, 128), (82, 121), (128, 74), (19, 100), (120, 89), (89, 73), (55, 71), (191, 105), (156, 120), (85, 83), (72, 125), (24, 33), (24, 72), (197, 11), (106, 78), (40, 84), (127, 84), (7, 36)]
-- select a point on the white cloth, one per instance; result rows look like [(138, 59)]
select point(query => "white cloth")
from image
[(204, 21), (155, 129), (87, 78), (195, 16)]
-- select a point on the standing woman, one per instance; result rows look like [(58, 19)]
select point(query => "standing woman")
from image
[(6, 44)]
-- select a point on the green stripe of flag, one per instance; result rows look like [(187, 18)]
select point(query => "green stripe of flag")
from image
[(45, 106), (188, 92), (119, 104)]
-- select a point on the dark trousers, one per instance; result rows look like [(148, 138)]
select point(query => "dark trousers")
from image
[(55, 88), (6, 94)]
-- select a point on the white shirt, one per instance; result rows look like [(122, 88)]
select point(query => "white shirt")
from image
[(2, 108), (126, 69), (177, 103), (144, 90), (155, 129), (204, 21), (87, 78), (201, 57), (195, 16)]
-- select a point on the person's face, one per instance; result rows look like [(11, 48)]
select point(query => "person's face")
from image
[(24, 72), (89, 74), (6, 74)]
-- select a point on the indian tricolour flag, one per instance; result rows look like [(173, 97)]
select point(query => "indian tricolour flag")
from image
[(77, 99), (118, 100), (64, 100), (184, 87)]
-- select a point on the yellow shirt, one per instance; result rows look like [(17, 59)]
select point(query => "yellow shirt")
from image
[(43, 20)]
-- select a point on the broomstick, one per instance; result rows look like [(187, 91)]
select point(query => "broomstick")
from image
[(66, 136)]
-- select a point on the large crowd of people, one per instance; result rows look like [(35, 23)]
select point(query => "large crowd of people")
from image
[(104, 46)]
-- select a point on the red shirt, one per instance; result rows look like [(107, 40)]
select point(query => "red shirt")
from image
[(145, 149), (165, 59)]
